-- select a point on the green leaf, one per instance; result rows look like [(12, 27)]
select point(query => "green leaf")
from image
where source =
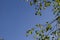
[(48, 27), (46, 38), (38, 13), (47, 4), (58, 38), (58, 18), (39, 25), (37, 32), (40, 6), (31, 3), (58, 33), (54, 32), (55, 10), (42, 31), (29, 32), (44, 0)]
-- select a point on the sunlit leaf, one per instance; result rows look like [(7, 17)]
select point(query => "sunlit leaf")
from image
[(38, 13), (55, 10), (40, 6), (58, 19), (37, 33), (39, 25), (46, 37), (47, 4), (48, 27), (30, 31), (58, 1), (58, 38), (59, 4)]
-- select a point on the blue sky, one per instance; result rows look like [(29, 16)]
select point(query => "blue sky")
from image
[(17, 16)]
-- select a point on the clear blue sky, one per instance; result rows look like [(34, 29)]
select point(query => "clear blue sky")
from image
[(17, 16)]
